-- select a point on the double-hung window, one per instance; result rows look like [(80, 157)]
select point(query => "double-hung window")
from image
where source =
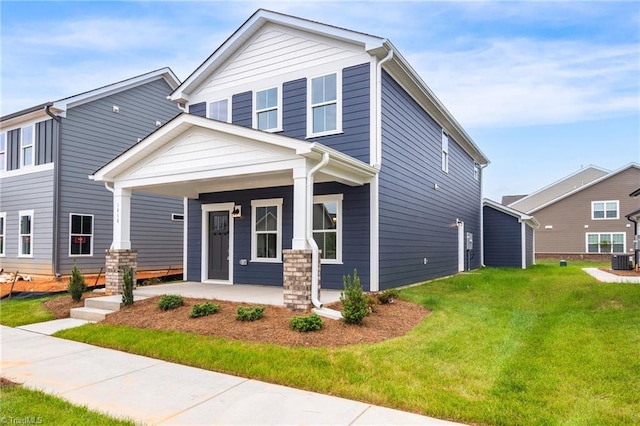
[(3, 227), (27, 146), (445, 152), (219, 110), (327, 226), (3, 151), (605, 242), (325, 110), (25, 242), (266, 235), (605, 209), (81, 235), (267, 111)]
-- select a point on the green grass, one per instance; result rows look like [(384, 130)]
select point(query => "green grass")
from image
[(25, 406), (18, 312), (548, 345)]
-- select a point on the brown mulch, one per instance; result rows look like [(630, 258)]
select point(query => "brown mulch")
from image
[(60, 306), (622, 273), (6, 383), (385, 322)]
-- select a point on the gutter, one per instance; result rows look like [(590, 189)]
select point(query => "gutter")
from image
[(309, 221), (56, 193), (482, 167)]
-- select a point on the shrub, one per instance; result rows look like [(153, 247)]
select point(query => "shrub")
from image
[(354, 302), (127, 287), (77, 286), (249, 313), (306, 323), (151, 281), (204, 309), (170, 301), (387, 296)]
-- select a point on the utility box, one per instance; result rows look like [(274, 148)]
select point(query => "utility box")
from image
[(620, 262)]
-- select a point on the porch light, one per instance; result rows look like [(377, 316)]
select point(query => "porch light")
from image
[(237, 211)]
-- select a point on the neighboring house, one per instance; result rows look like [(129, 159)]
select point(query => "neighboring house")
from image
[(634, 217), (585, 220), (509, 236), (51, 215), (302, 134)]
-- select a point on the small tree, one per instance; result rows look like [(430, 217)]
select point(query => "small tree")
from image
[(354, 302), (127, 287), (77, 286)]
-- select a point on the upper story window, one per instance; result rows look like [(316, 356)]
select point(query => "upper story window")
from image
[(267, 111), (3, 151), (26, 233), (327, 226), (325, 109), (220, 110), (266, 235), (476, 171), (3, 226), (81, 235), (605, 209), (27, 146), (445, 152)]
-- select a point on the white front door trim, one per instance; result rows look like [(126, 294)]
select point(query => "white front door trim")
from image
[(215, 207)]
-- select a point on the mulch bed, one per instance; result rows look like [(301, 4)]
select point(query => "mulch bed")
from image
[(60, 306), (622, 273)]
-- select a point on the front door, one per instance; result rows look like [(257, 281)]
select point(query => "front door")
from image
[(218, 245)]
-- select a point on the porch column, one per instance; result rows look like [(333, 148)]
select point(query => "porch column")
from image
[(120, 256), (121, 219), (299, 241)]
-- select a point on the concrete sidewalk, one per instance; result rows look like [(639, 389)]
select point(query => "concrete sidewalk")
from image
[(150, 391), (606, 277)]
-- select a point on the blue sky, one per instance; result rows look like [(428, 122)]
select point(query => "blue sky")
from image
[(543, 88)]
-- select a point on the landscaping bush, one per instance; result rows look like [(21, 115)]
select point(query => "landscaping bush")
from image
[(151, 281), (306, 323), (249, 313), (387, 296), (77, 286), (127, 287), (204, 309), (355, 304), (170, 301)]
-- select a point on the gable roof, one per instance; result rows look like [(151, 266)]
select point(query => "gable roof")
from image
[(588, 185), (521, 216), (558, 188), (375, 46), (509, 199), (60, 106)]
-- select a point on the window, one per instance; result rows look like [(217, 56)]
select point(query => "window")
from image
[(476, 171), (81, 235), (604, 209), (219, 110), (266, 238), (327, 226), (3, 227), (445, 152), (606, 242), (325, 113), (26, 233), (3, 151), (26, 147), (266, 109)]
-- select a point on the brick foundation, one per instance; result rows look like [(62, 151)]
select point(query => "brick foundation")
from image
[(117, 262), (296, 279)]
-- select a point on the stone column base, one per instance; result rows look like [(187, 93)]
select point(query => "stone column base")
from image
[(117, 262), (296, 279)]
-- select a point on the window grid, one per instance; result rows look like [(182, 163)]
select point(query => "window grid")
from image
[(25, 235), (324, 105), (603, 210), (27, 146), (327, 226), (3, 151), (266, 114), (605, 242), (219, 110), (445, 152), (266, 226), (80, 235), (3, 227)]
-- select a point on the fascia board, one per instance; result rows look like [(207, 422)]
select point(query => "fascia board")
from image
[(521, 216), (342, 160)]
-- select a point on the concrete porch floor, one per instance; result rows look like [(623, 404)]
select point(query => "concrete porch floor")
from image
[(259, 294)]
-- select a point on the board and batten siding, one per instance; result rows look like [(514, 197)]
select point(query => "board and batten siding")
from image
[(32, 191), (418, 218), (355, 216), (502, 239), (199, 109), (45, 136), (93, 134)]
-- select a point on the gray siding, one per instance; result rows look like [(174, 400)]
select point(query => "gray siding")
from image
[(417, 221), (529, 233), (241, 109), (502, 239), (46, 134), (355, 234), (92, 135), (33, 191), (198, 109), (13, 149)]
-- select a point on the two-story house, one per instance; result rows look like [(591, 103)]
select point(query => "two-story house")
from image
[(51, 215), (304, 143), (583, 215)]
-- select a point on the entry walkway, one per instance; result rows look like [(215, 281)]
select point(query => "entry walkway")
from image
[(151, 391), (606, 277)]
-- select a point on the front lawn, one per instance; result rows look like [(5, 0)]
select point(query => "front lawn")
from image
[(16, 312), (548, 345)]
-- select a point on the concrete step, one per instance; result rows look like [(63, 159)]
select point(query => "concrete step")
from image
[(113, 303), (90, 314)]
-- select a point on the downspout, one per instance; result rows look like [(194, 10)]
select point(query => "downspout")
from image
[(378, 160), (309, 220), (56, 193), (482, 167), (111, 190)]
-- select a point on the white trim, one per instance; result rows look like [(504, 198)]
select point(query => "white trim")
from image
[(3, 161), (204, 269), (337, 102), (462, 242), (445, 152), (374, 235), (604, 211), (26, 170), (277, 108), (3, 234), (229, 109), (332, 198), (523, 244), (82, 235), (522, 217), (185, 237), (271, 202), (175, 217), (21, 214), (624, 242)]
